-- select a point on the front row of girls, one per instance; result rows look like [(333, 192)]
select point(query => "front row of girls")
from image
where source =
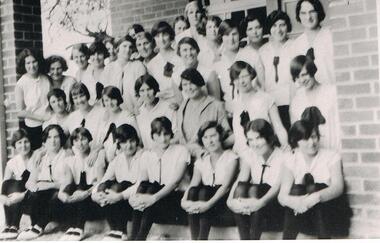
[(143, 186)]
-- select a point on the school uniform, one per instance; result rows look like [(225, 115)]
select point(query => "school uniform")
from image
[(325, 218), (34, 91), (91, 81), (212, 179), (113, 75), (57, 121), (159, 171), (90, 120), (66, 85), (264, 175)]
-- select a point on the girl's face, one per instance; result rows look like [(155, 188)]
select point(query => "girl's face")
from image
[(82, 144), (147, 94), (257, 143), (57, 104), (124, 50), (211, 30), (80, 101), (179, 27), (111, 51), (308, 16), (309, 146), (305, 80), (163, 40), (188, 54), (23, 146), (110, 104), (279, 30), (211, 140), (144, 47), (98, 59), (192, 13), (162, 139), (31, 65), (56, 71), (244, 81), (254, 31), (129, 147), (191, 90), (80, 59), (231, 41), (53, 141)]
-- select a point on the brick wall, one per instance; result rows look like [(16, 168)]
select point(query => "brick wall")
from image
[(146, 12), (20, 28), (356, 62)]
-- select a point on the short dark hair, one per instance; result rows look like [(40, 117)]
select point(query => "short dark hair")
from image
[(78, 89), (301, 130), (147, 36), (277, 15), (161, 124), (125, 132), (299, 62), (192, 75), (18, 135), (249, 18), (264, 129), (55, 58), (190, 41), (20, 60), (113, 93), (207, 125), (239, 66), (82, 48), (126, 38), (58, 128), (180, 18), (225, 28), (109, 39), (162, 27), (80, 132), (317, 7), (148, 80), (137, 28), (215, 19), (98, 47), (58, 93)]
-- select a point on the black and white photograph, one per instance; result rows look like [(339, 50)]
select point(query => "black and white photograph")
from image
[(147, 120)]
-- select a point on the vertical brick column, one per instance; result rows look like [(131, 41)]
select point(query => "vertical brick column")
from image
[(20, 28), (355, 37)]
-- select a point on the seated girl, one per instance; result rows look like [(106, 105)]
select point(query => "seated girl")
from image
[(312, 179), (205, 198), (116, 186), (162, 169), (13, 189), (253, 197), (79, 178)]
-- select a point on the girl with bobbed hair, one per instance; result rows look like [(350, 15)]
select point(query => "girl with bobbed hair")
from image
[(123, 72), (161, 172), (30, 94), (146, 45), (312, 186), (13, 191), (313, 93), (78, 181), (80, 54), (276, 57), (252, 28), (147, 88), (253, 197), (220, 85), (58, 106), (56, 66), (93, 78), (180, 24), (44, 182), (316, 39), (120, 182), (252, 103), (110, 44), (205, 198)]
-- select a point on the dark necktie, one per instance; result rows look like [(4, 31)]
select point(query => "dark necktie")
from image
[(310, 53), (83, 122), (276, 61), (262, 172), (110, 131)]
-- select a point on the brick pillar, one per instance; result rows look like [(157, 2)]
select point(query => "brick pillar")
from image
[(20, 28), (355, 37)]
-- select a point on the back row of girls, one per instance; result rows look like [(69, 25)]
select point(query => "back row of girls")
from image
[(171, 75)]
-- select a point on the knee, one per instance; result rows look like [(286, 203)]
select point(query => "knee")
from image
[(11, 186)]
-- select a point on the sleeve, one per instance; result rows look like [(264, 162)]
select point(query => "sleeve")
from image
[(222, 117), (334, 158), (110, 172), (259, 67), (184, 155)]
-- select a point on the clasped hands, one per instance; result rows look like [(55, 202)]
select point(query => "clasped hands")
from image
[(195, 207), (77, 196), (12, 198), (245, 206), (305, 202), (141, 202)]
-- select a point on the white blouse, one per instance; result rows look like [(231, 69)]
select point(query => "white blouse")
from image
[(160, 169), (273, 164), (212, 176), (319, 168), (91, 119), (17, 166), (51, 168), (90, 81), (113, 75)]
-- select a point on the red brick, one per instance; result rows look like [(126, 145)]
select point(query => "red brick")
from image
[(363, 199), (341, 50), (364, 47), (351, 62), (338, 23), (359, 143), (375, 60), (349, 157), (360, 171), (373, 186), (368, 102), (345, 9), (373, 213), (348, 130), (363, 88), (368, 74), (345, 103), (363, 19), (370, 157), (342, 76), (349, 35), (354, 185), (373, 32), (356, 116), (370, 5)]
